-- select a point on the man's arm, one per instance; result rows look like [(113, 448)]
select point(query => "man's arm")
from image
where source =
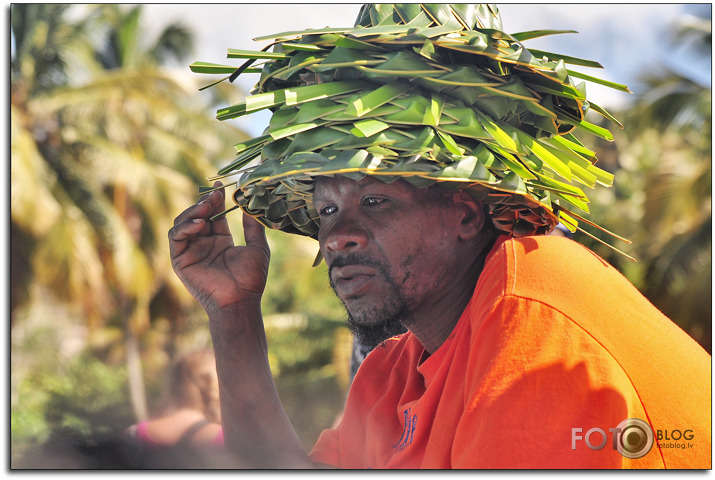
[(228, 281)]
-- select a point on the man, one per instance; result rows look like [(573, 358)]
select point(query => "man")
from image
[(596, 358), (523, 350)]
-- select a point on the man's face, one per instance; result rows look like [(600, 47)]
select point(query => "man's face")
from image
[(388, 247)]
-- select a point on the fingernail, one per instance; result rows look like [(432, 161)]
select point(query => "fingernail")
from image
[(198, 220)]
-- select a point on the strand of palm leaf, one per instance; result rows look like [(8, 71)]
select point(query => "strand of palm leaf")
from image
[(427, 93)]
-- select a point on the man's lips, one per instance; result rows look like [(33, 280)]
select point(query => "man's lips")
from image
[(351, 280)]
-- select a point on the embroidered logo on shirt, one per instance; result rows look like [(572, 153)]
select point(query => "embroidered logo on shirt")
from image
[(408, 431)]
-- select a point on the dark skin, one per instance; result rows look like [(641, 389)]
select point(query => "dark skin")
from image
[(417, 238), (389, 247)]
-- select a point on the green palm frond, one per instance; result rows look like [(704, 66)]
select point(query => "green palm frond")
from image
[(425, 92)]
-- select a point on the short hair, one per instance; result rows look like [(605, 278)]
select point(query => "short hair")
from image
[(193, 383)]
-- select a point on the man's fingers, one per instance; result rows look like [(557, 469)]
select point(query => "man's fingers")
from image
[(202, 210), (214, 193), (254, 232), (217, 198), (180, 233), (207, 206)]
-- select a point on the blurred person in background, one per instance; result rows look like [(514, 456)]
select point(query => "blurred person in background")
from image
[(185, 434), (191, 411)]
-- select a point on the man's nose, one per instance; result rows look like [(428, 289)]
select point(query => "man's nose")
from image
[(345, 235)]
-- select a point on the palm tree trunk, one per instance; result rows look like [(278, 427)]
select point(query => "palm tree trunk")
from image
[(137, 392)]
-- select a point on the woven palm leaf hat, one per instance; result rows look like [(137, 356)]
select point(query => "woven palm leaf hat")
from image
[(425, 93)]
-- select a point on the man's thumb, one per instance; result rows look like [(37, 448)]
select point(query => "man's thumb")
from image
[(253, 232)]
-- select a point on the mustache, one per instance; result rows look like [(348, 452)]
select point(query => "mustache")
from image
[(353, 259)]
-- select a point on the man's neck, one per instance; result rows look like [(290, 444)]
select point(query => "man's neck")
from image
[(432, 326)]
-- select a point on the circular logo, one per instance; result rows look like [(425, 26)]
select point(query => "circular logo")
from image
[(635, 438)]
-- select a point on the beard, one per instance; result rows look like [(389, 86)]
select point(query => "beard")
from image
[(386, 319), (370, 335)]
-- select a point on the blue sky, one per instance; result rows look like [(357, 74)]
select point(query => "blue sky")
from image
[(627, 39)]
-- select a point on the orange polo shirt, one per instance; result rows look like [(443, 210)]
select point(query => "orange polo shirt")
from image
[(553, 352)]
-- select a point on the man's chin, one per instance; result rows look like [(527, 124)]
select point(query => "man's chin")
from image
[(373, 318), (371, 335)]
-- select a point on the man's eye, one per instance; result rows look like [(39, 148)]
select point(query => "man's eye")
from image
[(328, 210), (372, 201)]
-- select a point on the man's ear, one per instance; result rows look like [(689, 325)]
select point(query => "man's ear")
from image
[(472, 215)]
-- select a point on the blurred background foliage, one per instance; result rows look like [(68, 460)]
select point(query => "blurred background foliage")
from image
[(108, 144), (662, 198)]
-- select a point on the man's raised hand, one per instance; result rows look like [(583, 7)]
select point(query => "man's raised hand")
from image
[(215, 271)]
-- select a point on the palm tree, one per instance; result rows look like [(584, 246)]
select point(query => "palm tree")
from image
[(677, 214), (40, 62), (667, 138), (100, 167)]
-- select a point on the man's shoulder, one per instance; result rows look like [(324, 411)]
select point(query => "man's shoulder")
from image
[(564, 276), (544, 258), (545, 268), (544, 251)]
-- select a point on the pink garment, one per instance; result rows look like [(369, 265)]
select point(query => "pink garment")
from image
[(219, 438), (140, 433), (142, 436)]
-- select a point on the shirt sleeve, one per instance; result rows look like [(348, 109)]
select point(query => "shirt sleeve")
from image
[(325, 450), (537, 384)]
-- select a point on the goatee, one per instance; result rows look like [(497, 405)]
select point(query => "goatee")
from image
[(369, 336), (388, 318)]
